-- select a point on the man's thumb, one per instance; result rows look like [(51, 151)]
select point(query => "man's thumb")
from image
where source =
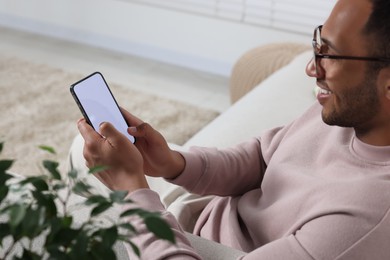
[(143, 130)]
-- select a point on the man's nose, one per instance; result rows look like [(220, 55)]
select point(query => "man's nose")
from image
[(311, 69)]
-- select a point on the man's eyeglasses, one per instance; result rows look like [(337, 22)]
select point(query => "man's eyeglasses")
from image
[(318, 46)]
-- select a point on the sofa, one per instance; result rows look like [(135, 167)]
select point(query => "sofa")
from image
[(269, 88)]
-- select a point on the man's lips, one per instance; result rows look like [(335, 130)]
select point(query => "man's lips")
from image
[(323, 94), (322, 88)]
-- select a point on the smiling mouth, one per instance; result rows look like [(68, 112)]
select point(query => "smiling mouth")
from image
[(322, 88), (323, 95)]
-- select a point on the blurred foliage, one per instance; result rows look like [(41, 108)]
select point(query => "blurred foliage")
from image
[(38, 207)]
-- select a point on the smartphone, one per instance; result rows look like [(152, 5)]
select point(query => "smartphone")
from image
[(97, 103)]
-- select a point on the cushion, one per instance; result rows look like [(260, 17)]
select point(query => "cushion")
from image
[(274, 102)]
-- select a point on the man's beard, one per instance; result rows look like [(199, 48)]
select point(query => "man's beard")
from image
[(359, 105)]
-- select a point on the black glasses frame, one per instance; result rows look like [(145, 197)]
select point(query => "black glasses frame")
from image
[(318, 55)]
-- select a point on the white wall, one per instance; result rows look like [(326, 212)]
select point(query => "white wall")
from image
[(184, 39)]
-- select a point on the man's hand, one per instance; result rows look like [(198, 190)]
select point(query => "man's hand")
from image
[(112, 149), (159, 159)]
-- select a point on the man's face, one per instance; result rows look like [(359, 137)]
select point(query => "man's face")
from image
[(349, 94)]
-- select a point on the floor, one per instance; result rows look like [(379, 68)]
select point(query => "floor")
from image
[(194, 87)]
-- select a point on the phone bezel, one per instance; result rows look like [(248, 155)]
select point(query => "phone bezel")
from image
[(79, 104)]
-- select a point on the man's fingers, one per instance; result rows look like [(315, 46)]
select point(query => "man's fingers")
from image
[(142, 130), (91, 140), (108, 131), (130, 119), (86, 131)]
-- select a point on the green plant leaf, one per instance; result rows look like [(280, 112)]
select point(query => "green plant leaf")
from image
[(82, 189), (46, 201), (97, 169), (5, 231), (102, 207), (48, 149), (59, 186), (136, 211), (57, 254), (56, 224), (38, 182), (3, 192), (52, 166), (128, 226), (30, 255), (96, 199), (73, 174), (63, 237), (135, 248), (128, 201), (109, 236), (16, 214), (100, 251), (5, 165), (66, 221), (33, 224), (154, 223), (118, 196), (80, 246), (160, 228), (4, 177)]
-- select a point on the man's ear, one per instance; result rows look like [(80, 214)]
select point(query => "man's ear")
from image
[(384, 82), (388, 92), (387, 89)]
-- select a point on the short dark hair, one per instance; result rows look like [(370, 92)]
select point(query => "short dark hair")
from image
[(378, 30)]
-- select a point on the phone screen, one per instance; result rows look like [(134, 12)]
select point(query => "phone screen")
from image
[(97, 104)]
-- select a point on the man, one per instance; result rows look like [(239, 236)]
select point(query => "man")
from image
[(318, 188)]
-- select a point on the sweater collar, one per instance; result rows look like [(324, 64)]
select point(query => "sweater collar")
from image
[(370, 152)]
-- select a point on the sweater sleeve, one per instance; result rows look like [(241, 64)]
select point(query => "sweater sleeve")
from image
[(335, 236), (150, 246), (223, 172)]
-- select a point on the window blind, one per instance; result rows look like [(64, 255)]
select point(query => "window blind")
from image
[(291, 15)]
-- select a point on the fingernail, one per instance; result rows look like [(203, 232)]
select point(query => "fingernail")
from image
[(132, 129)]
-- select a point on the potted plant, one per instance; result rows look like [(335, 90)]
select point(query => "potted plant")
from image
[(35, 210)]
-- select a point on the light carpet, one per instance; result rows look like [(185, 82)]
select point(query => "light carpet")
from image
[(38, 109)]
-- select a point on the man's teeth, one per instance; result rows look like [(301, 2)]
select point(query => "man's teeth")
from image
[(324, 91)]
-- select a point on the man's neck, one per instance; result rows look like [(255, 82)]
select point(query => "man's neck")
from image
[(377, 137)]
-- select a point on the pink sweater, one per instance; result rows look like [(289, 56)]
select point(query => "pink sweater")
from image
[(304, 191)]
